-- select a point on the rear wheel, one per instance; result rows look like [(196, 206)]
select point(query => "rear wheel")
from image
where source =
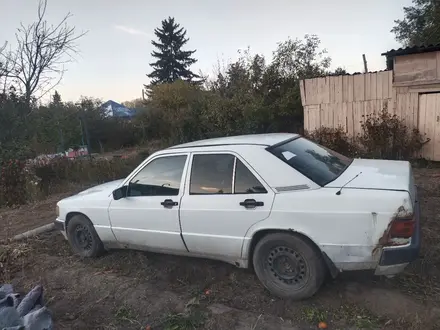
[(289, 266), (83, 238)]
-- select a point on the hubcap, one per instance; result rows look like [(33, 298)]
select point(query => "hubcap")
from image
[(83, 238), (287, 266)]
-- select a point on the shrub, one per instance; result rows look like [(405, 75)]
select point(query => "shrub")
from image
[(13, 179), (335, 139), (386, 136), (62, 171), (383, 136)]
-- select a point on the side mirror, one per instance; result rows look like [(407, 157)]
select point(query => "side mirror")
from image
[(119, 193)]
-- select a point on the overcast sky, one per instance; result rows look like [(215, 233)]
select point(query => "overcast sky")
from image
[(115, 54)]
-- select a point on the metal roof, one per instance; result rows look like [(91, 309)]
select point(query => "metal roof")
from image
[(412, 50), (251, 139)]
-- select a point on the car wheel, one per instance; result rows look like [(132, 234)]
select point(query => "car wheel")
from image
[(83, 238), (289, 266)]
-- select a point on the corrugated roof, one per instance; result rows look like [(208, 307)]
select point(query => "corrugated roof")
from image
[(412, 50)]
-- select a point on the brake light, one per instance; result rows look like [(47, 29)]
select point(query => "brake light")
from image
[(402, 228)]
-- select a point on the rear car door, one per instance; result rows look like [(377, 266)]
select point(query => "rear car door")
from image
[(149, 215), (223, 198)]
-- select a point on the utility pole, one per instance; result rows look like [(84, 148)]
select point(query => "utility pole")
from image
[(365, 63)]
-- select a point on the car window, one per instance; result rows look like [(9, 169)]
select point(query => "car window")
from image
[(245, 181), (211, 174), (316, 162), (161, 177)]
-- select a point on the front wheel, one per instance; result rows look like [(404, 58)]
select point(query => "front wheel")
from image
[(288, 266), (83, 238)]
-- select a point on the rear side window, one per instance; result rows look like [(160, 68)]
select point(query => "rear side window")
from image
[(316, 162), (211, 174), (245, 181), (222, 174)]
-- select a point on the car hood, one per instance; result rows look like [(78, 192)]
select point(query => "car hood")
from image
[(377, 174), (102, 189)]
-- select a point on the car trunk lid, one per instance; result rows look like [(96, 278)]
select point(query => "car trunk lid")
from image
[(377, 174)]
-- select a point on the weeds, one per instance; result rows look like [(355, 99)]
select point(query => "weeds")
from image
[(190, 320)]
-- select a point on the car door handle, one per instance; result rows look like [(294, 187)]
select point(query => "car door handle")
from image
[(251, 203), (169, 203)]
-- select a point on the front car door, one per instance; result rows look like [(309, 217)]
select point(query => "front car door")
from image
[(223, 198), (149, 216)]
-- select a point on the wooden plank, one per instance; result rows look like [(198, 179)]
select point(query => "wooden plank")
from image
[(319, 89), (430, 125), (358, 111), (438, 64), (379, 86), (385, 82), (373, 86), (390, 83), (368, 86), (324, 115), (331, 87), (349, 113), (347, 87), (422, 119), (313, 117), (303, 95), (415, 67), (343, 116), (310, 91), (414, 99), (436, 120), (338, 89), (323, 90), (359, 87), (326, 90), (306, 116)]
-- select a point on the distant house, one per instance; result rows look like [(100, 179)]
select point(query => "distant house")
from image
[(114, 109)]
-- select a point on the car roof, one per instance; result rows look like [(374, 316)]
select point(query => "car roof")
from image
[(250, 139)]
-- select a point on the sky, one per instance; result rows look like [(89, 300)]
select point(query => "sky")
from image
[(115, 53)]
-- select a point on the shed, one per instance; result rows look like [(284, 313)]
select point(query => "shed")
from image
[(409, 88)]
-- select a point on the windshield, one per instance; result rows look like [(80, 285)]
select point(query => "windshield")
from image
[(316, 162)]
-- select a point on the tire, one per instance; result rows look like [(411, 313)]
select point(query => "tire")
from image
[(289, 266), (83, 238)]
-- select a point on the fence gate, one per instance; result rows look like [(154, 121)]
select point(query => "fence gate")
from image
[(429, 123)]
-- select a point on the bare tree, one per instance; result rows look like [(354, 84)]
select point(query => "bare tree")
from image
[(42, 51)]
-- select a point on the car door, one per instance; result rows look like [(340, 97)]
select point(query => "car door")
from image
[(149, 216), (223, 198)]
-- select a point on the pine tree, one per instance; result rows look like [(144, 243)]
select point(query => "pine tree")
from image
[(172, 62), (56, 98)]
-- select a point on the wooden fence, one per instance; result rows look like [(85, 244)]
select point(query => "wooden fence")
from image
[(344, 100)]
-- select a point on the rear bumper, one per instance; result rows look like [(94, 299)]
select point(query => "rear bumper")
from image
[(394, 259)]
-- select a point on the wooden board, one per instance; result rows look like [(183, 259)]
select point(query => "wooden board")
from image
[(415, 68), (429, 123)]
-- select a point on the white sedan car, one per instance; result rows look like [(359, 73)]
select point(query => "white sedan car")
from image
[(291, 209)]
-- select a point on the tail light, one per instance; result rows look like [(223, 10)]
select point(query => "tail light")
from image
[(399, 232), (402, 228)]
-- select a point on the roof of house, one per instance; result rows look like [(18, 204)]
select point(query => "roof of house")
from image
[(116, 109), (251, 139), (412, 50)]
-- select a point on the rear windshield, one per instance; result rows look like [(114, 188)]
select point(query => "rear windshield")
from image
[(316, 162)]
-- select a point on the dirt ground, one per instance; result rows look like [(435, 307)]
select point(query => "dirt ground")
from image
[(133, 290)]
